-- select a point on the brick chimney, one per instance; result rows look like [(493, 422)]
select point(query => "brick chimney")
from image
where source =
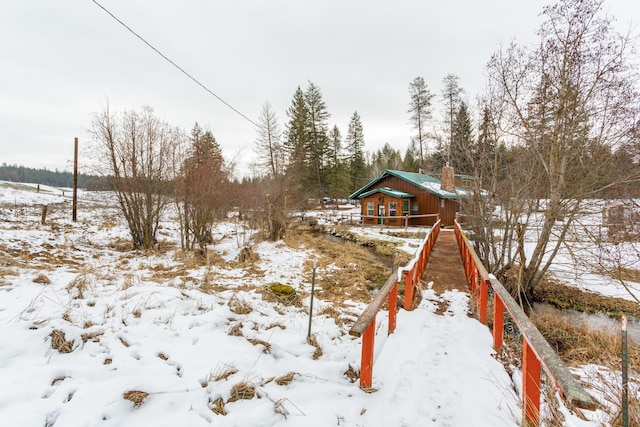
[(447, 182)]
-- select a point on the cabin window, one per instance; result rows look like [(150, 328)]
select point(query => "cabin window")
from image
[(392, 208), (442, 203), (369, 208), (405, 207), (414, 209)]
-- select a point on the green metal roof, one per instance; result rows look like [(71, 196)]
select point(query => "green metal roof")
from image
[(426, 182), (388, 191)]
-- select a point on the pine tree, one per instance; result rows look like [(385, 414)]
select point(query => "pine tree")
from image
[(462, 147), (355, 152), (318, 139), (338, 182), (420, 109), (411, 162), (451, 93), (295, 144)]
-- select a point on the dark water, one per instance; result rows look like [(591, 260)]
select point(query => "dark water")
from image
[(594, 321)]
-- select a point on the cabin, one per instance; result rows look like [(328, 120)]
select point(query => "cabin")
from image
[(398, 198)]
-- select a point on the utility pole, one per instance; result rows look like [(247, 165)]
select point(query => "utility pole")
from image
[(74, 215)]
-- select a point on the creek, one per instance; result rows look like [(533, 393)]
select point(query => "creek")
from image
[(597, 321)]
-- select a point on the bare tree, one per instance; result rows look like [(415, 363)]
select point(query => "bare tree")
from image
[(202, 189), (268, 146), (134, 151), (559, 106)]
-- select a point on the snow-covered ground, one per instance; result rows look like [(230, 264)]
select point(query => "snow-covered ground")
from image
[(142, 322)]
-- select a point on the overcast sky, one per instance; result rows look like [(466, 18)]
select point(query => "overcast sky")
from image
[(62, 61)]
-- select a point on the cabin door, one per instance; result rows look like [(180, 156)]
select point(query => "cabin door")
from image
[(381, 214)]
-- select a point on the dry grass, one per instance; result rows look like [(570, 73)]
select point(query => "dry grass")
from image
[(352, 373), (239, 306), (285, 379), (82, 282), (348, 270), (91, 336), (222, 372), (135, 396), (247, 256), (43, 279), (313, 341), (218, 407), (58, 342), (235, 330), (579, 344), (266, 346), (242, 391)]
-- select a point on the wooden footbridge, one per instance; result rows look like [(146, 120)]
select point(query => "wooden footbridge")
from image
[(447, 260)]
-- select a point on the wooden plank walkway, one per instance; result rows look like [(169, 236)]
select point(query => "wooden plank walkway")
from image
[(445, 268), (446, 375)]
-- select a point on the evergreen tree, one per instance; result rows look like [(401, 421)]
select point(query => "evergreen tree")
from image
[(355, 153), (484, 157), (451, 93), (385, 158), (462, 147), (411, 161), (295, 144), (318, 139), (338, 182), (420, 109)]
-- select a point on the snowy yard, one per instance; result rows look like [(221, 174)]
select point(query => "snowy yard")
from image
[(86, 324)]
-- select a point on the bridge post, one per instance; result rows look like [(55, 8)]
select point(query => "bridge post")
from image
[(366, 368), (498, 321), (408, 289), (393, 306), (482, 300), (530, 385)]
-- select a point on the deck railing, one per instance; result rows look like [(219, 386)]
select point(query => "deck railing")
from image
[(537, 354), (365, 326)]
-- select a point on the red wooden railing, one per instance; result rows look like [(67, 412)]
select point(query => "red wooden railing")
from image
[(365, 326), (537, 354)]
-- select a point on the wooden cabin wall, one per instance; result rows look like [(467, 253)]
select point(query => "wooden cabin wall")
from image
[(428, 204)]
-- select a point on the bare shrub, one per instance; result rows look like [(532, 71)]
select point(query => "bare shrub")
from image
[(247, 255)]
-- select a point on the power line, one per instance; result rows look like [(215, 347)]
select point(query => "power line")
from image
[(173, 63)]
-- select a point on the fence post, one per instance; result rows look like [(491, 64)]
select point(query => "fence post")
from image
[(408, 289), (530, 385), (366, 368), (625, 380), (498, 321), (482, 300), (44, 214), (393, 306)]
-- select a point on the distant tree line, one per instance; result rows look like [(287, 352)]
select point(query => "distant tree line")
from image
[(14, 173)]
